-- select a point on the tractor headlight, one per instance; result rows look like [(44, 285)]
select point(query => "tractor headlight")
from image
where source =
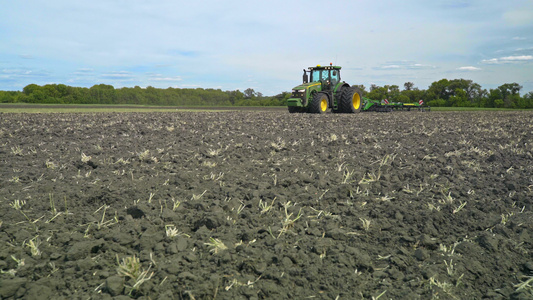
[(301, 91)]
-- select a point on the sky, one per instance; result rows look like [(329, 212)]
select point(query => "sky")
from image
[(263, 45)]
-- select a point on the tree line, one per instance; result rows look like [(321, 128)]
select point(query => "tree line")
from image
[(107, 94), (456, 92)]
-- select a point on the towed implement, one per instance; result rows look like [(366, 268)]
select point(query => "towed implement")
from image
[(323, 90), (385, 106)]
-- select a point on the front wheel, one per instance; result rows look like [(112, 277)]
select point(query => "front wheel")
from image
[(296, 109), (319, 104)]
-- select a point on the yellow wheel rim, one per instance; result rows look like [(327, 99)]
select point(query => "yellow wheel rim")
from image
[(356, 101), (324, 104)]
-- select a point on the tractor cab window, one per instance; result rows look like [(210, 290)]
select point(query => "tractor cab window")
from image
[(325, 75), (335, 76), (320, 75), (316, 75)]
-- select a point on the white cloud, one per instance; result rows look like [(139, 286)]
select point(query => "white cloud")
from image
[(508, 59), (469, 68), (24, 73), (83, 72), (118, 75), (162, 78), (390, 67), (174, 78), (517, 58), (403, 65)]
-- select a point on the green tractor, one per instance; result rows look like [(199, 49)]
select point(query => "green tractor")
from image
[(322, 89)]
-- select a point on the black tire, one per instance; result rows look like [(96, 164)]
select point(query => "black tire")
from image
[(296, 109), (293, 109), (351, 100), (319, 104)]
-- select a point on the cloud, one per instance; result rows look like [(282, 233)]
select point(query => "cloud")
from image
[(508, 59), (118, 75), (517, 58), (160, 77), (23, 73), (469, 68), (83, 72), (19, 77), (389, 67), (403, 65)]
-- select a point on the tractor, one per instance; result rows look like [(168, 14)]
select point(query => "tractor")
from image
[(322, 89)]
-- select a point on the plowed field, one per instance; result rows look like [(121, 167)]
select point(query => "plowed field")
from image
[(266, 205)]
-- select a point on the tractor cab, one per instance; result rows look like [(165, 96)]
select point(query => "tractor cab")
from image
[(328, 76)]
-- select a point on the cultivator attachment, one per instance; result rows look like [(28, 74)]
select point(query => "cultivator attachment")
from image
[(386, 106)]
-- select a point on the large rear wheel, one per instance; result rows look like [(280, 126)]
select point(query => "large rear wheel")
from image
[(319, 104), (351, 100)]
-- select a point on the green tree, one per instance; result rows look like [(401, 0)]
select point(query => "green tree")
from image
[(389, 92), (437, 103), (414, 95), (408, 86), (528, 100), (151, 96), (440, 89), (30, 88), (393, 92), (377, 93), (403, 98), (10, 96), (459, 99), (102, 94), (249, 93), (361, 87), (494, 96), (235, 96), (510, 93)]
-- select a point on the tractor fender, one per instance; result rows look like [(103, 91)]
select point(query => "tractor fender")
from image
[(312, 90), (313, 94), (325, 93), (341, 86)]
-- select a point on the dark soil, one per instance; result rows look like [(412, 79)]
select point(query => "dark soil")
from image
[(141, 107), (405, 205)]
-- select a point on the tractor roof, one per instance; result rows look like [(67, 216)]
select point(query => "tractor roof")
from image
[(330, 67)]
